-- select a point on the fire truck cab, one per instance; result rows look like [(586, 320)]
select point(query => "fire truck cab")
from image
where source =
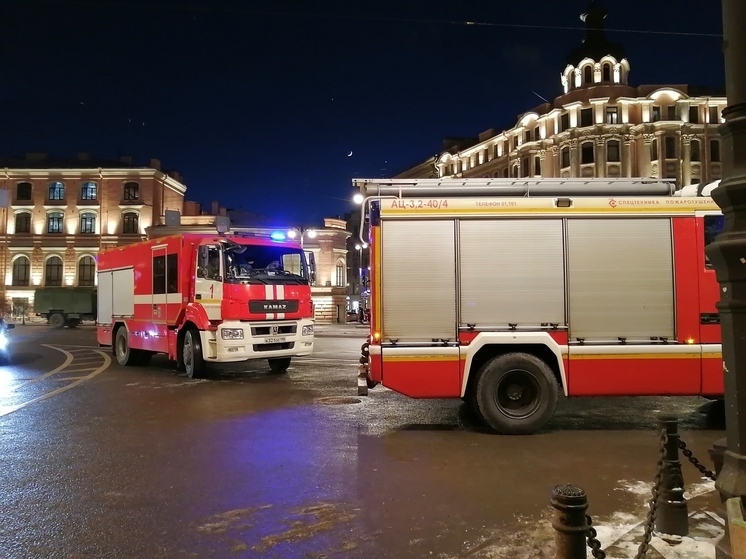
[(504, 292), (202, 298)]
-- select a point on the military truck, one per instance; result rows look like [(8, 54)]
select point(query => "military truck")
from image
[(65, 306)]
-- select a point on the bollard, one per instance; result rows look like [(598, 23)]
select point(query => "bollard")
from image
[(569, 522), (672, 514)]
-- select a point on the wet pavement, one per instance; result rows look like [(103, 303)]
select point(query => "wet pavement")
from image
[(141, 462)]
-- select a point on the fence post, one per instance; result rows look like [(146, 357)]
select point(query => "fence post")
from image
[(569, 522), (672, 512)]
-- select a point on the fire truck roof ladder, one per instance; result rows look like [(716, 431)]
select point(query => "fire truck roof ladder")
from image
[(474, 187)]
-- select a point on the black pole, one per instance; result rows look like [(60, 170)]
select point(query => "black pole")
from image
[(672, 515), (569, 522)]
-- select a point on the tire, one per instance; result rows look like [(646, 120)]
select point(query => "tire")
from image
[(515, 394), (57, 320), (123, 353), (279, 364), (191, 351)]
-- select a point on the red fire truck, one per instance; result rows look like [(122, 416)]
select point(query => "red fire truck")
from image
[(503, 292), (204, 298)]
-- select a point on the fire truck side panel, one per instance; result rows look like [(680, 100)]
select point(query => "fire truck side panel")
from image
[(511, 271), (423, 372), (419, 281), (620, 274), (687, 266)]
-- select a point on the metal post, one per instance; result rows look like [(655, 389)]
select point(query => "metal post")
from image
[(727, 253), (569, 522), (673, 514)]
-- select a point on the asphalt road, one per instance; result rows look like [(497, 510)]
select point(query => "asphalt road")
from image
[(102, 461)]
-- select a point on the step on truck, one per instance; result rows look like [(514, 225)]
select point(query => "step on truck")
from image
[(203, 298), (507, 292)]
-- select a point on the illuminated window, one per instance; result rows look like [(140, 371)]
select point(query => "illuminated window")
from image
[(131, 191), (130, 223), (695, 155), (23, 192), (21, 269), (565, 157), (89, 191), (86, 271), (23, 222), (88, 222), (56, 191), (715, 151), (612, 115), (53, 272), (340, 274), (586, 152), (612, 150), (54, 222)]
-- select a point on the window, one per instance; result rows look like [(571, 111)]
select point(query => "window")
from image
[(53, 272), (715, 150), (89, 191), (612, 150), (340, 274), (88, 222), (607, 72), (56, 191), (694, 114), (654, 150), (86, 271), (695, 156), (514, 171), (671, 112), (537, 135), (586, 117), (565, 157), (586, 152), (588, 75), (612, 115), (524, 166), (23, 222), (670, 146), (166, 274), (130, 223), (564, 122), (537, 166), (505, 173), (714, 115), (656, 114), (527, 136), (131, 191), (21, 269), (54, 222), (23, 192), (713, 227)]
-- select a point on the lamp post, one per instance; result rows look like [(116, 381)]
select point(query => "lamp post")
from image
[(302, 233)]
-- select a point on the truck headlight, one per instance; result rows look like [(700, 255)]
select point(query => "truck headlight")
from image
[(231, 334), (308, 330)]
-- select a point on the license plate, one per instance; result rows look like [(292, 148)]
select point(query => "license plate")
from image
[(274, 340)]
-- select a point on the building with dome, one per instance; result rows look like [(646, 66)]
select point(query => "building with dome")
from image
[(600, 126)]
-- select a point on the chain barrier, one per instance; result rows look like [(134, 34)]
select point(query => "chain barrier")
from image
[(593, 543), (642, 550), (696, 463)]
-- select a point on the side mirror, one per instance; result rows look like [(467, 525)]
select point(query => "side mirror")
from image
[(10, 326)]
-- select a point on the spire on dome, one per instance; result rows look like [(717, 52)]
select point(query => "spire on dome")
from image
[(595, 45)]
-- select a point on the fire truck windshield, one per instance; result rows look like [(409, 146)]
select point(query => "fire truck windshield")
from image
[(264, 264)]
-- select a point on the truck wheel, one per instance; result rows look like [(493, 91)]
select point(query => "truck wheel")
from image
[(57, 320), (515, 394), (194, 364), (125, 355), (279, 364)]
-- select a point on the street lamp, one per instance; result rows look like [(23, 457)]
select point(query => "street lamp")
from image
[(311, 233)]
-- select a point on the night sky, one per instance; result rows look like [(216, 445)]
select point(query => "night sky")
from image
[(258, 104)]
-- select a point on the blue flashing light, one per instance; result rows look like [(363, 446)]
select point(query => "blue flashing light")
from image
[(277, 236)]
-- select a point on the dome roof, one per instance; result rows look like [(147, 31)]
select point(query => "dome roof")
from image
[(595, 45)]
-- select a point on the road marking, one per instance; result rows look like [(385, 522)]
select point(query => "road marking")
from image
[(61, 369)]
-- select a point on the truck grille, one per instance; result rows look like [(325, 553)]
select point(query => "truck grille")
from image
[(273, 347), (282, 329)]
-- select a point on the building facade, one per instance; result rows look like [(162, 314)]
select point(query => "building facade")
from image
[(57, 215), (600, 126)]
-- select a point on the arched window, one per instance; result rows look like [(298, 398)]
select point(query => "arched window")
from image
[(87, 222), (588, 75), (339, 274), (54, 222), (53, 272), (21, 269), (612, 150), (586, 152), (565, 157), (23, 222), (89, 191), (606, 72), (56, 191), (131, 191), (86, 271), (695, 151), (130, 223), (514, 171)]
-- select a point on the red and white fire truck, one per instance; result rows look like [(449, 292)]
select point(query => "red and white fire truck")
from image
[(503, 292), (206, 298)]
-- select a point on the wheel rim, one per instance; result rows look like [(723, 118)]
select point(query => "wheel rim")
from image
[(517, 395), (121, 347), (188, 353)]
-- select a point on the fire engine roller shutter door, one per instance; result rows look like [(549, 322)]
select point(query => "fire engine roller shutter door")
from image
[(620, 274), (105, 298), (418, 280), (512, 271)]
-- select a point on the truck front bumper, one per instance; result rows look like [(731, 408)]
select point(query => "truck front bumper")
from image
[(239, 341)]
